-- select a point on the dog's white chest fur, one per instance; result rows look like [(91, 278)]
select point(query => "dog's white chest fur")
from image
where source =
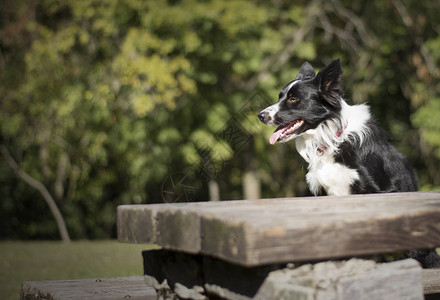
[(335, 178)]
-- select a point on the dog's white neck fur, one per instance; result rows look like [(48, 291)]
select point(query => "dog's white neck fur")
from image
[(324, 172)]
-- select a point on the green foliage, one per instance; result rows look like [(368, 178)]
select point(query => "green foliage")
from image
[(429, 125), (102, 100)]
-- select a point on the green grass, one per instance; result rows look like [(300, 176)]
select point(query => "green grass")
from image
[(35, 261)]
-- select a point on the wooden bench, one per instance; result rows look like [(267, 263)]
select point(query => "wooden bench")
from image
[(234, 249), (119, 288)]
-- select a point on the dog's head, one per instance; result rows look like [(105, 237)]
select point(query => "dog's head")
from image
[(305, 102)]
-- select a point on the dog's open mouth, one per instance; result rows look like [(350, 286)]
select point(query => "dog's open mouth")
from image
[(284, 131)]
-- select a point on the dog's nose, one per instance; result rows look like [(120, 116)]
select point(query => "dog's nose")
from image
[(263, 116)]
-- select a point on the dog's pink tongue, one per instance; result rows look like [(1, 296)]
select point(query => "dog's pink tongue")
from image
[(275, 135)]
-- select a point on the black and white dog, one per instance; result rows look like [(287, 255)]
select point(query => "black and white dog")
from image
[(346, 151)]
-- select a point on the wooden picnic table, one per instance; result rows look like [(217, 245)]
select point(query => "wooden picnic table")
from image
[(286, 248), (245, 237), (257, 232)]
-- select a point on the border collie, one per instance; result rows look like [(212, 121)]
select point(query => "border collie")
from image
[(346, 151)]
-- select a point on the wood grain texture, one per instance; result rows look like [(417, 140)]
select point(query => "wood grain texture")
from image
[(118, 288), (136, 224), (257, 232), (431, 281), (178, 229)]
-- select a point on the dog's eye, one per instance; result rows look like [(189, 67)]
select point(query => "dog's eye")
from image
[(293, 99)]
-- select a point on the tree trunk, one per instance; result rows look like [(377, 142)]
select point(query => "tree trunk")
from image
[(251, 185), (251, 181), (214, 191), (44, 192)]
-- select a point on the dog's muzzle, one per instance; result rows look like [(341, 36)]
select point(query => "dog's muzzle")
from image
[(264, 116)]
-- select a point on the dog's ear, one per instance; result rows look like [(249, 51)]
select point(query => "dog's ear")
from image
[(329, 82), (306, 72)]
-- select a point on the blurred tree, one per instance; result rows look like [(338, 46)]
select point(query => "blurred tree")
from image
[(104, 101)]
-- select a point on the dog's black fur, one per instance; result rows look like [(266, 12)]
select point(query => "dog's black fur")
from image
[(347, 152)]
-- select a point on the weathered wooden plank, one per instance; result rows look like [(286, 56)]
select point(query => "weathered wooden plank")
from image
[(161, 224), (349, 238), (431, 281), (178, 229), (118, 288), (255, 232), (136, 224)]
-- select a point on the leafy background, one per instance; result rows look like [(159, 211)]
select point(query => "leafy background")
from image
[(102, 102)]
